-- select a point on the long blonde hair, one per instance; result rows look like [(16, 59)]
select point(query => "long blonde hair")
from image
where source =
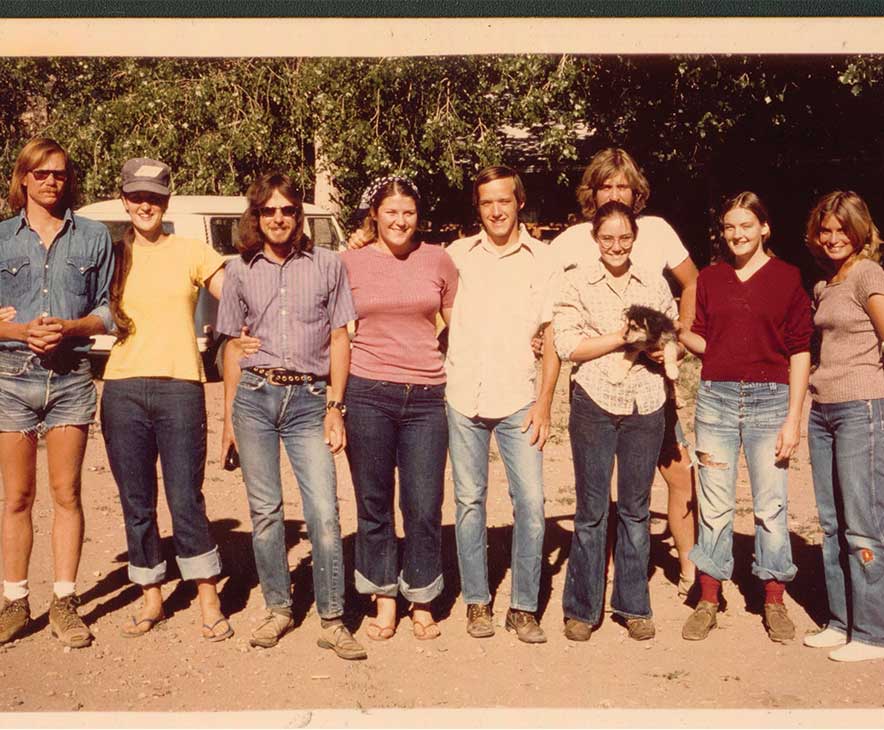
[(853, 214)]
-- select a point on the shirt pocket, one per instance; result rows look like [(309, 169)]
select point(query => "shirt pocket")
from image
[(15, 279), (79, 275)]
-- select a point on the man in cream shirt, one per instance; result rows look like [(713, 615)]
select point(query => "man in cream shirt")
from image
[(504, 298)]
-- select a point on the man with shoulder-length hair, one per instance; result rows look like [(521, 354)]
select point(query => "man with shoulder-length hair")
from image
[(504, 298), (55, 268), (612, 174), (296, 300)]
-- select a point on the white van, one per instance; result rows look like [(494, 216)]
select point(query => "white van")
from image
[(213, 219)]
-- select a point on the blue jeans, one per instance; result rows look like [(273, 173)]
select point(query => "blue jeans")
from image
[(847, 457), (264, 414), (390, 426), (34, 398), (146, 418), (730, 414), (596, 437), (469, 440)]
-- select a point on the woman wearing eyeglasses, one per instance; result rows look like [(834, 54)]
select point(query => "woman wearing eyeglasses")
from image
[(54, 270), (753, 330), (153, 404), (616, 410), (395, 397)]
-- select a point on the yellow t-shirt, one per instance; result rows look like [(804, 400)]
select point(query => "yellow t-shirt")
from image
[(160, 299)]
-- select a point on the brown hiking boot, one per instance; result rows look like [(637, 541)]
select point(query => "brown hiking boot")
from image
[(525, 625), (640, 629), (700, 622), (66, 625), (14, 618), (577, 630), (338, 638), (275, 625), (479, 624), (777, 622)]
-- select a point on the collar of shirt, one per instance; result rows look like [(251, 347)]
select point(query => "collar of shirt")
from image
[(595, 271), (67, 218), (292, 254), (525, 239)]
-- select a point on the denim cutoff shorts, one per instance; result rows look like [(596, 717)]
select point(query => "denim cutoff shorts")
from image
[(34, 399)]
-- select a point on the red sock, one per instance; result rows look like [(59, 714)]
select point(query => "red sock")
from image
[(709, 588), (773, 591)]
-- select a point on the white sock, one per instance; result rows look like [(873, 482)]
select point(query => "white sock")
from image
[(15, 589), (63, 588)]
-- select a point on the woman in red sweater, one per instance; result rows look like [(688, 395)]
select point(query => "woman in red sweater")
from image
[(753, 330), (396, 406)]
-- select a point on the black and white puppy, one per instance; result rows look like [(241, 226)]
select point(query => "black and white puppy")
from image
[(648, 329)]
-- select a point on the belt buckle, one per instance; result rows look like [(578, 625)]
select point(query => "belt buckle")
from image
[(272, 374)]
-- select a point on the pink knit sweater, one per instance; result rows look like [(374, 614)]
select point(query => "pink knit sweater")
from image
[(397, 301)]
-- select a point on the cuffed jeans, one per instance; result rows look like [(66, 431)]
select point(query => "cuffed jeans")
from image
[(141, 419), (263, 415), (730, 414), (596, 437), (847, 457), (389, 426), (469, 440)]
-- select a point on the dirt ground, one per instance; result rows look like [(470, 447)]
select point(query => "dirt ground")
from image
[(173, 669)]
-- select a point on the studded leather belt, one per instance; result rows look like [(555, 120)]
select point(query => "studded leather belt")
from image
[(281, 376)]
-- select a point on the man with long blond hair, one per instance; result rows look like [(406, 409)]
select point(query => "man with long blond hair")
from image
[(55, 268)]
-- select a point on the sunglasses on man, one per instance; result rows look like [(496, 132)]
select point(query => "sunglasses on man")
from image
[(288, 211), (59, 175)]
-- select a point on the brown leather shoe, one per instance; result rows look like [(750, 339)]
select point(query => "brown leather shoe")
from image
[(14, 618), (525, 625), (700, 622), (577, 630), (338, 638), (777, 622), (276, 624), (640, 629), (66, 624), (479, 624)]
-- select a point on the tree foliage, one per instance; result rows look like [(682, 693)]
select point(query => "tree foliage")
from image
[(699, 124)]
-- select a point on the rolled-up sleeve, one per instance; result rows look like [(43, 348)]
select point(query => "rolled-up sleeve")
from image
[(569, 318), (104, 266), (230, 311), (341, 309)]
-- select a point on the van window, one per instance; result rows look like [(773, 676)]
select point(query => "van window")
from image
[(224, 234), (324, 233)]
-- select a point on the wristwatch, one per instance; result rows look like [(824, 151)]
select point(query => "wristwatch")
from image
[(336, 404)]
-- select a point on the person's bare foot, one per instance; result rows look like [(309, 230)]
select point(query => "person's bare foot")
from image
[(150, 614), (384, 625), (215, 626), (423, 625)]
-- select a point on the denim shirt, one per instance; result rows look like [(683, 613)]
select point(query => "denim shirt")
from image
[(68, 280)]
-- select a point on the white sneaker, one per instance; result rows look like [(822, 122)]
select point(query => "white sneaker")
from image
[(855, 651), (825, 639)]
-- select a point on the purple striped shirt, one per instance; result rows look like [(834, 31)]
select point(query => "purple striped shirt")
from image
[(291, 307)]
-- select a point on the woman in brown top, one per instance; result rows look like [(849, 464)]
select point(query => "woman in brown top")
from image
[(846, 428)]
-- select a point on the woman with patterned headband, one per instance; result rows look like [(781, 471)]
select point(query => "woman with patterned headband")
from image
[(395, 397)]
